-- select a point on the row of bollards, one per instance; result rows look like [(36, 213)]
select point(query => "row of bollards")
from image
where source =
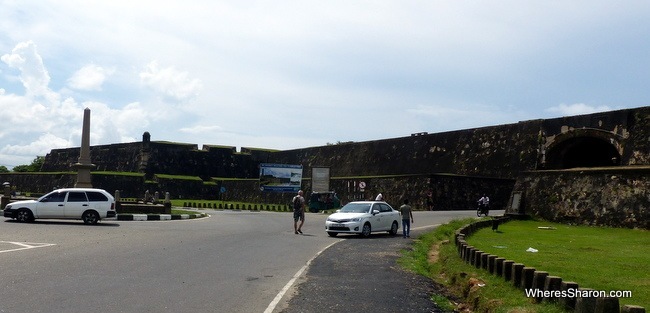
[(237, 206), (537, 284)]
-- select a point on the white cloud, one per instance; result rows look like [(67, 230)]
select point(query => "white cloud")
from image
[(577, 109), (37, 122), (45, 142), (89, 77), (200, 129), (170, 82), (33, 73)]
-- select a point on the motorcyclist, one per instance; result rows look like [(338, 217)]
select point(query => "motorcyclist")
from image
[(484, 204)]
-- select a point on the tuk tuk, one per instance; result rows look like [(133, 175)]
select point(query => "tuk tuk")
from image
[(320, 201)]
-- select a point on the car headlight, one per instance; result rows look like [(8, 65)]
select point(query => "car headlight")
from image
[(358, 219), (8, 206)]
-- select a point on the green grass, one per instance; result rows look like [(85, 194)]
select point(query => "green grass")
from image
[(495, 296), (179, 211), (594, 257), (178, 177)]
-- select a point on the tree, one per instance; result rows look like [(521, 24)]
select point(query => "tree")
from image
[(36, 165), (4, 169)]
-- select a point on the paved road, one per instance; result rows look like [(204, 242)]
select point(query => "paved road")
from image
[(362, 275), (231, 262)]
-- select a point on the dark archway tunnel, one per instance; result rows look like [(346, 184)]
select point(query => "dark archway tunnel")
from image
[(582, 152)]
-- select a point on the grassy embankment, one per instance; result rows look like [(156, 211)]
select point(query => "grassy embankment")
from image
[(595, 257)]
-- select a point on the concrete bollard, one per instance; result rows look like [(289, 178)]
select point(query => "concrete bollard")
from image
[(460, 238), (568, 302), (539, 278), (632, 309), (585, 304), (607, 305), (491, 263), (484, 260), (516, 274), (468, 254), (498, 266), (478, 258), (553, 284), (527, 274), (507, 269), (472, 255)]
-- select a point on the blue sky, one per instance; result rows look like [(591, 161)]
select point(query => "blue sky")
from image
[(292, 74)]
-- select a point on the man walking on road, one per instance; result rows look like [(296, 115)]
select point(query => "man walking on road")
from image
[(407, 218), (298, 203)]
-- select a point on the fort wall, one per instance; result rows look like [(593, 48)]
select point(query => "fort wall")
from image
[(457, 166), (615, 196)]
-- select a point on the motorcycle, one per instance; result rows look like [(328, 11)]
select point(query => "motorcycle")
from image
[(483, 209)]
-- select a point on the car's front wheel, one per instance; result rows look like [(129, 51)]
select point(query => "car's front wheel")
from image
[(24, 216), (393, 228), (90, 217), (332, 234), (366, 230)]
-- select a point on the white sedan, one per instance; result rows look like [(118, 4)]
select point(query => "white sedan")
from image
[(363, 217)]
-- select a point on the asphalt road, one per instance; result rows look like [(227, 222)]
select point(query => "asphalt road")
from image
[(233, 261)]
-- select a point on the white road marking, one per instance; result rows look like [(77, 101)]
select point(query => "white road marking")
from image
[(25, 245), (286, 288)]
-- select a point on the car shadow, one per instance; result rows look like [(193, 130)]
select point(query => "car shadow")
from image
[(70, 223), (371, 237)]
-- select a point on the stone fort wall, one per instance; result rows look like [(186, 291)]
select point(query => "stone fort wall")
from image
[(447, 163)]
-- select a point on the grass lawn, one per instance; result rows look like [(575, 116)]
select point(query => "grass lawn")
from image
[(434, 255), (594, 257)]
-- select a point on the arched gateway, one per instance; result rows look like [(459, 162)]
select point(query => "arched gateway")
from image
[(583, 147)]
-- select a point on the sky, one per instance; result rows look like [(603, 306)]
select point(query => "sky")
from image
[(293, 74)]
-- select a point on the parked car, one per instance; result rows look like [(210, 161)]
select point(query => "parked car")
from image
[(363, 217), (88, 204)]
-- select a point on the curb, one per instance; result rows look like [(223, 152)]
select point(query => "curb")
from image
[(159, 217)]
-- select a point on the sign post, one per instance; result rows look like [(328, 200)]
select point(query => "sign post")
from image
[(320, 179)]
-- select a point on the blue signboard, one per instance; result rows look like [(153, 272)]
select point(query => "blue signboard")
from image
[(280, 177)]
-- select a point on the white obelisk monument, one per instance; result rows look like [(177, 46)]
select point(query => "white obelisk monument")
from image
[(84, 165)]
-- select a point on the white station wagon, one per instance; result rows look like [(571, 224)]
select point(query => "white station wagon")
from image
[(363, 217), (87, 204)]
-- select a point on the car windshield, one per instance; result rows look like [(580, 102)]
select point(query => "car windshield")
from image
[(54, 196), (356, 208)]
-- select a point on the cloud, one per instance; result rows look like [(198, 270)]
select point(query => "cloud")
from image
[(577, 109), (45, 142), (170, 82), (200, 129), (33, 74), (89, 77), (39, 121)]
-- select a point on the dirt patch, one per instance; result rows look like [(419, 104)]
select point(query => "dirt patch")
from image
[(435, 251)]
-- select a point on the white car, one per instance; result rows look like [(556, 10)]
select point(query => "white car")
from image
[(363, 217), (87, 204)]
